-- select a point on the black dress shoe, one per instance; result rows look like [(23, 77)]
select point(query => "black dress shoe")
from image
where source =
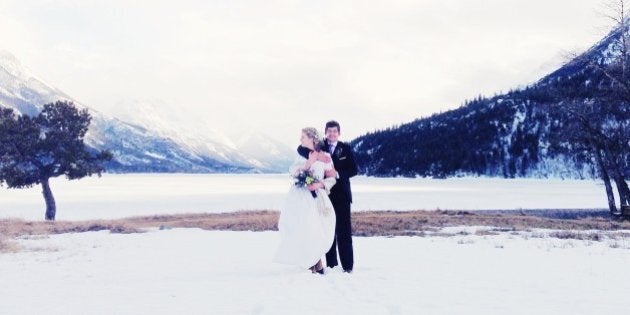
[(347, 270), (320, 271)]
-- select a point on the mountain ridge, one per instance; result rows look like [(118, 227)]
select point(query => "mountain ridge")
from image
[(506, 135), (136, 148)]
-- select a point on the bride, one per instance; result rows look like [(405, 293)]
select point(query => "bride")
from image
[(307, 220)]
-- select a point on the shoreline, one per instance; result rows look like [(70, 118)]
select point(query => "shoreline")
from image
[(579, 224), (365, 223)]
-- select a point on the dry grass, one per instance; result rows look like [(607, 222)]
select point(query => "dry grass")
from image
[(6, 246), (399, 223), (241, 221), (14, 228), (566, 224), (364, 223), (237, 221), (377, 223)]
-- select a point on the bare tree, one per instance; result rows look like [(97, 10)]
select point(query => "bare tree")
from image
[(617, 143), (600, 122)]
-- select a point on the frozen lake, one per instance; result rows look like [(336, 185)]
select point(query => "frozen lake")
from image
[(118, 195)]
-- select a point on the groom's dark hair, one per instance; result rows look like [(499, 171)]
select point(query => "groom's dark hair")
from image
[(332, 124)]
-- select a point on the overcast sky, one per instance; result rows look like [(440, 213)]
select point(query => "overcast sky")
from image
[(276, 66)]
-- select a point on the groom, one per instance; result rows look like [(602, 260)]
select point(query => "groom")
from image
[(340, 196)]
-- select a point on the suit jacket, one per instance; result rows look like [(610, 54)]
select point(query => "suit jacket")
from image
[(346, 166)]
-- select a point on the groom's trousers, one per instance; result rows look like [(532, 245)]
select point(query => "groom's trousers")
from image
[(343, 235)]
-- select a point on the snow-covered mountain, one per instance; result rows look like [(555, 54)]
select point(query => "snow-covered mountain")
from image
[(509, 135), (265, 149), (144, 140), (253, 148)]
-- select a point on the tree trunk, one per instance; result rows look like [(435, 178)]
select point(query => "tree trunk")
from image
[(51, 208), (622, 188), (604, 173), (624, 196), (616, 171), (620, 181)]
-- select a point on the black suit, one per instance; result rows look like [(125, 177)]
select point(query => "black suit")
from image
[(341, 198)]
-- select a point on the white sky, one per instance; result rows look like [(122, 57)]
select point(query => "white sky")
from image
[(276, 66)]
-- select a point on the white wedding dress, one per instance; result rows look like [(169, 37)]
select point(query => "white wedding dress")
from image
[(307, 224)]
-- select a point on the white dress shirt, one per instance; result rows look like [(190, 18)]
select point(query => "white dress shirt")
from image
[(332, 147)]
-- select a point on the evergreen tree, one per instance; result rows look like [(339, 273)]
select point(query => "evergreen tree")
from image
[(35, 149)]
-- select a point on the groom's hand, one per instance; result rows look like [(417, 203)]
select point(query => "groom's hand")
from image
[(313, 187), (330, 173)]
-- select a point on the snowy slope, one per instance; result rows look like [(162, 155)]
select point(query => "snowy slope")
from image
[(192, 271), (197, 135), (137, 147), (269, 153), (21, 89)]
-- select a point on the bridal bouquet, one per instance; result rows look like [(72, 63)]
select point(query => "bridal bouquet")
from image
[(305, 178)]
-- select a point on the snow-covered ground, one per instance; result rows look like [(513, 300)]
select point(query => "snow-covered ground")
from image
[(115, 196), (192, 271)]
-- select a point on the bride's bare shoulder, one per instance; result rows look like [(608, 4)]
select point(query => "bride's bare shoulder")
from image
[(325, 157)]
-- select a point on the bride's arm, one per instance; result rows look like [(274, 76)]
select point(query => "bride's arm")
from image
[(330, 180)]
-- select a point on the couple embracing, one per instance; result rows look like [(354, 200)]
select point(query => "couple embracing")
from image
[(315, 219)]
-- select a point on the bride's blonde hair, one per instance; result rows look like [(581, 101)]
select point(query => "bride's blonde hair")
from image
[(312, 133)]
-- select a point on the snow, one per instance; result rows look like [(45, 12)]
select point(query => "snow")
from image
[(195, 134), (519, 118), (199, 146), (155, 155), (116, 195), (192, 271)]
